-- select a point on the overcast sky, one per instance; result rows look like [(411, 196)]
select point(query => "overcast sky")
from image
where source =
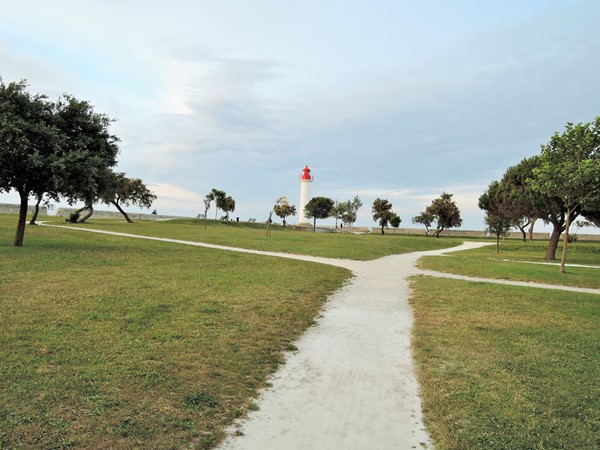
[(394, 99)]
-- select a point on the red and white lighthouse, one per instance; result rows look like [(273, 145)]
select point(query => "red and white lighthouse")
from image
[(305, 179)]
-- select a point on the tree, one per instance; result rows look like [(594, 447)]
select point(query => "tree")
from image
[(425, 219), (570, 170), (318, 208), (57, 149), (208, 198), (228, 206), (127, 191), (219, 197), (350, 210), (382, 212), (445, 213), (395, 221), (497, 225), (283, 209)]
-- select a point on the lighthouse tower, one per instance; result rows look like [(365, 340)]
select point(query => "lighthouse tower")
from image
[(305, 179)]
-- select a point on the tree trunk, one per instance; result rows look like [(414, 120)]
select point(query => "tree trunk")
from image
[(20, 234), (522, 229), (37, 210), (315, 225), (497, 244), (122, 212), (563, 259), (554, 238), (530, 232), (90, 210), (382, 232)]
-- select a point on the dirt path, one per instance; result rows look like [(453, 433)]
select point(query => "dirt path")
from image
[(351, 384)]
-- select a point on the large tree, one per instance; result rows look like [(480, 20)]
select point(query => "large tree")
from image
[(219, 197), (318, 208), (57, 149), (445, 213), (127, 191), (382, 212), (228, 206), (570, 170), (283, 209)]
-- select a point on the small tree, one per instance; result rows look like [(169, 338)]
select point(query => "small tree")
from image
[(228, 206), (498, 226), (318, 208), (283, 209), (382, 212), (208, 198), (395, 221), (425, 219), (127, 191), (445, 213), (219, 197)]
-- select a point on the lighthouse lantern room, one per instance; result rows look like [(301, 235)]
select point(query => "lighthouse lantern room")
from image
[(305, 179)]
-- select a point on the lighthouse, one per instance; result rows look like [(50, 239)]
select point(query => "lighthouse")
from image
[(305, 179)]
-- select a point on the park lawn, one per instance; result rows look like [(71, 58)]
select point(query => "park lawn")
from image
[(507, 367), (110, 342), (509, 264), (285, 240)]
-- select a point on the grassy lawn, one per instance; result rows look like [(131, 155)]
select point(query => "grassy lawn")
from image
[(111, 342), (505, 367), (484, 262), (286, 240)]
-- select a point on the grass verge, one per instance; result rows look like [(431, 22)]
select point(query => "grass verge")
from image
[(285, 240), (507, 367), (484, 262), (110, 342)]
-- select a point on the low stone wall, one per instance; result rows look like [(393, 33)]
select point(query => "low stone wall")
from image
[(100, 214), (8, 208)]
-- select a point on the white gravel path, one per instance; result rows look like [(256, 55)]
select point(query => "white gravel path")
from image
[(351, 384)]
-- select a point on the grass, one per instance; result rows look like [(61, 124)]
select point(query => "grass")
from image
[(484, 262), (507, 367), (285, 240), (110, 342)]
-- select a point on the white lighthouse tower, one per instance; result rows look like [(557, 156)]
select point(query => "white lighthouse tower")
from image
[(305, 179)]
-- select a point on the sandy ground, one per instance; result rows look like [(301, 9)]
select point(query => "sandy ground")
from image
[(351, 384)]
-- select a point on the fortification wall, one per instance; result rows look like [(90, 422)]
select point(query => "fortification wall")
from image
[(7, 208)]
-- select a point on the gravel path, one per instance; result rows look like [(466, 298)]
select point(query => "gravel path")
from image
[(351, 384)]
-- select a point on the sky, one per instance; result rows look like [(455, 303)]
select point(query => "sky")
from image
[(394, 99)]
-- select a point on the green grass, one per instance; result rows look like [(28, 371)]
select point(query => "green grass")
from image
[(110, 342), (507, 367), (285, 240), (484, 262)]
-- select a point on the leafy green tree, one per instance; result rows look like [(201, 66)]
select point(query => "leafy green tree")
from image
[(228, 206), (499, 226), (57, 149), (382, 212), (570, 170), (425, 219), (208, 199), (445, 213), (283, 209), (395, 221), (127, 191), (219, 197), (349, 210), (318, 208)]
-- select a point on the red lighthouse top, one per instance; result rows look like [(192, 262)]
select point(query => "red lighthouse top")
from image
[(306, 176)]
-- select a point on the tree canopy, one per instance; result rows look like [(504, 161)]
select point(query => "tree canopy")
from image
[(61, 149), (127, 191), (445, 213), (570, 171), (382, 212), (318, 208), (283, 209)]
